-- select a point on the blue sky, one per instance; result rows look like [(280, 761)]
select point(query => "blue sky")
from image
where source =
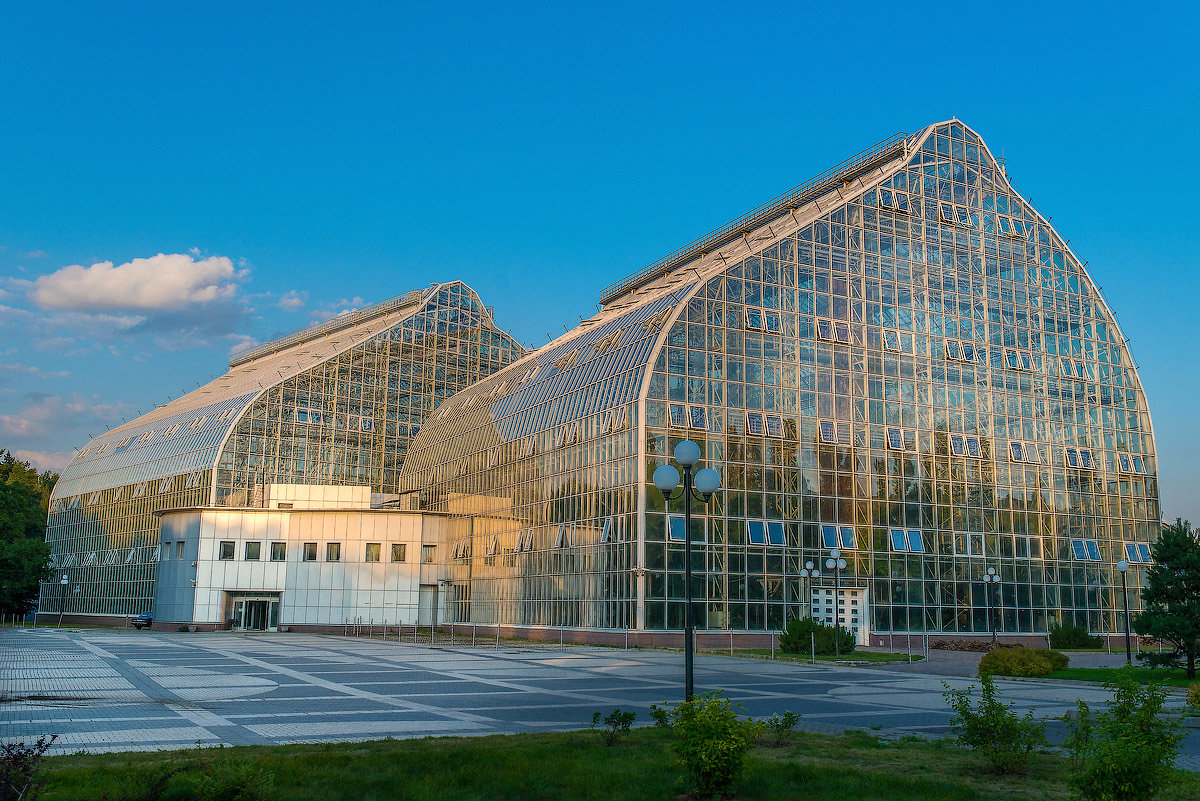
[(293, 160)]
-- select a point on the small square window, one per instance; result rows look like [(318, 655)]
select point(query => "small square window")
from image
[(166, 551), (829, 537), (775, 533), (226, 550), (606, 530), (898, 539), (825, 330), (1144, 551), (774, 426), (1093, 550), (772, 321), (754, 319), (253, 551), (829, 432), (310, 552), (895, 439), (1014, 359), (841, 332), (848, 537), (754, 423), (1072, 457), (699, 416), (179, 550), (1126, 464), (428, 554), (953, 351), (399, 551), (1085, 459), (756, 532), (333, 552), (957, 445), (1131, 552), (1078, 550), (1016, 451), (973, 448), (373, 552), (676, 532), (968, 352), (1139, 465), (678, 415), (278, 551), (891, 341), (916, 544)]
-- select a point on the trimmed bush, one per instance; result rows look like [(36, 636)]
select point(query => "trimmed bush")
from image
[(797, 637), (1073, 637), (1193, 696), (1021, 661)]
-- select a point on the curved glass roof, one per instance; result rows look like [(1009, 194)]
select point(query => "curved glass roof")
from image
[(185, 434)]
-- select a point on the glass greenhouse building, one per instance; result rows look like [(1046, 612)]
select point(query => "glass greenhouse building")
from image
[(900, 358), (337, 403)]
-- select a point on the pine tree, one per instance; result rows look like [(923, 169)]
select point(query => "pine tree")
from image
[(1171, 596)]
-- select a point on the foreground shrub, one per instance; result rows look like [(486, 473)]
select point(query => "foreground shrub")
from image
[(1193, 696), (992, 728), (799, 633), (20, 769), (1169, 660), (1073, 637), (1127, 751), (780, 727), (615, 723), (711, 742), (1021, 661)]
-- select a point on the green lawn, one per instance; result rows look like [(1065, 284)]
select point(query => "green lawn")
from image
[(576, 765), (1169, 678), (854, 656)]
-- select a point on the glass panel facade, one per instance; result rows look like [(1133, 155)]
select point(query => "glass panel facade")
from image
[(925, 308), (334, 404)]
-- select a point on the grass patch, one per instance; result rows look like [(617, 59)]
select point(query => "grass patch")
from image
[(854, 656), (576, 765), (1167, 678)]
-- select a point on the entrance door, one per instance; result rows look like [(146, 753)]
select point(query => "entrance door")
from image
[(425, 601), (254, 614), (851, 610)]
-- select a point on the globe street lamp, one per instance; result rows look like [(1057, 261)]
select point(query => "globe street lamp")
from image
[(1124, 566), (837, 565), (706, 481), (989, 579)]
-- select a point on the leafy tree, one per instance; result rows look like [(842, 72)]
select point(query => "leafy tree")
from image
[(1171, 597), (24, 501)]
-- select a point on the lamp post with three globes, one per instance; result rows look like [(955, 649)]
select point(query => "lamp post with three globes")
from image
[(706, 481)]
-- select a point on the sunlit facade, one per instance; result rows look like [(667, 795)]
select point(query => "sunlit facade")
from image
[(901, 358), (335, 404)]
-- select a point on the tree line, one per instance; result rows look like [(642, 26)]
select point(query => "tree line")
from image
[(24, 554)]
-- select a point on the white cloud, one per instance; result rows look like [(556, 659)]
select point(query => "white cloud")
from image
[(36, 254), (45, 460), (30, 369), (163, 282), (336, 309), (293, 300), (243, 344), (44, 416)]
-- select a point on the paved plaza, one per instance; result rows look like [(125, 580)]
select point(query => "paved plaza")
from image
[(101, 690)]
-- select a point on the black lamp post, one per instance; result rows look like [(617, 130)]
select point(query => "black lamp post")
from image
[(1123, 566), (837, 564), (990, 578), (706, 480)]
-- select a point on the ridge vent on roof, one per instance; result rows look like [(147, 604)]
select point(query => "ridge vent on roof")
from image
[(338, 323), (847, 171)]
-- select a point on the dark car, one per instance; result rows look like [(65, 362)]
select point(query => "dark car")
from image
[(144, 619)]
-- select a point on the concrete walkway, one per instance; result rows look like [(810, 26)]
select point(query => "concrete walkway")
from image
[(121, 690)]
